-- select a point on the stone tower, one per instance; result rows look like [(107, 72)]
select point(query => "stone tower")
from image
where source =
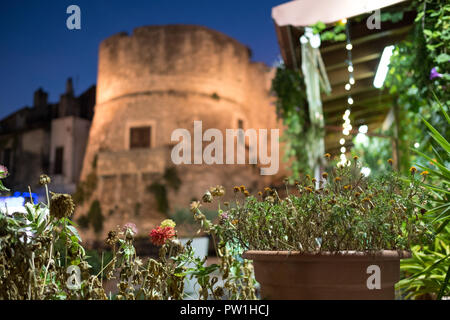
[(150, 83)]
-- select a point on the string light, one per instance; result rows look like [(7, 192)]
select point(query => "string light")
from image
[(346, 126)]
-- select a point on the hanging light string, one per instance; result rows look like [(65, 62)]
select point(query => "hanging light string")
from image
[(347, 127)]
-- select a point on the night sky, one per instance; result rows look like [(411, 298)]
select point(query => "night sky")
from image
[(37, 49)]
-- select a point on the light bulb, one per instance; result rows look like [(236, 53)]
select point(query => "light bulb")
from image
[(349, 46), (363, 129), (350, 68), (348, 86), (350, 100), (342, 141)]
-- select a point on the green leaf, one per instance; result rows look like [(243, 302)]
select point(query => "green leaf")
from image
[(74, 231), (444, 285), (2, 187), (443, 57)]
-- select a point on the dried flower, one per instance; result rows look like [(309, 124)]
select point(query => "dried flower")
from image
[(44, 179), (355, 158), (3, 172), (112, 238), (324, 175), (390, 161), (130, 226), (337, 179), (61, 205), (246, 193), (207, 197), (413, 170), (195, 205), (424, 173), (223, 217), (160, 235), (236, 189), (168, 223), (217, 191), (328, 156)]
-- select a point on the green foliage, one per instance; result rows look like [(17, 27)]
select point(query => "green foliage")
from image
[(373, 152), (3, 174), (36, 249), (171, 178), (94, 258), (159, 188), (83, 222), (95, 216), (334, 34), (137, 209), (348, 212), (85, 188), (160, 192), (185, 220), (428, 271), (289, 87), (439, 168), (409, 76)]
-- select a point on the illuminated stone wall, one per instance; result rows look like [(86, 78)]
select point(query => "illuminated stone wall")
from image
[(166, 77)]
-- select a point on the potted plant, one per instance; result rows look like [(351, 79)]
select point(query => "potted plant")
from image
[(339, 237)]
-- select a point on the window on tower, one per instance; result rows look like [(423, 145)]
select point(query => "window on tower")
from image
[(140, 137)]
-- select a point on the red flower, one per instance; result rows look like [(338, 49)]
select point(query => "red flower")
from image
[(159, 235)]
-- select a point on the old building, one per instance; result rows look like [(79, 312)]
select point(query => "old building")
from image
[(150, 83), (47, 138)]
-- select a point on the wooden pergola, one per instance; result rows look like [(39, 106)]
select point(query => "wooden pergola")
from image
[(372, 107)]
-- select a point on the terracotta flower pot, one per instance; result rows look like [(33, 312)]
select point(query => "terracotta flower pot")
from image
[(290, 275)]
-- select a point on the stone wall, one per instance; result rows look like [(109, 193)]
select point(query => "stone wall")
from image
[(167, 77)]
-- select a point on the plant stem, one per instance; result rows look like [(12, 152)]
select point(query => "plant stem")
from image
[(46, 269)]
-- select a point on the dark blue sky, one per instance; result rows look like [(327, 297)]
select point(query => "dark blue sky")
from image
[(37, 49)]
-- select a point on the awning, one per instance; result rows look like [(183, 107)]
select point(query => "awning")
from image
[(302, 13)]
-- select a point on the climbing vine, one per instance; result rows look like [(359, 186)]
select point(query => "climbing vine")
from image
[(419, 72), (289, 87), (159, 188)]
